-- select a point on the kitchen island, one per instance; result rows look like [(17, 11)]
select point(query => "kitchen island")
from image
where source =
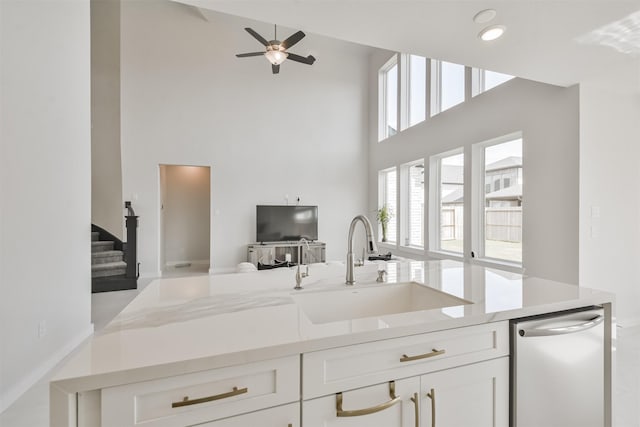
[(243, 349)]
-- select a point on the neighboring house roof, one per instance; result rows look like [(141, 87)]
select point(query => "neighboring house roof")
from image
[(506, 163), (452, 174), (510, 193), (456, 196)]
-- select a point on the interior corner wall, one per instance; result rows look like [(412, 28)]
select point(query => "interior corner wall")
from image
[(45, 256), (548, 118), (107, 208), (610, 187), (186, 99)]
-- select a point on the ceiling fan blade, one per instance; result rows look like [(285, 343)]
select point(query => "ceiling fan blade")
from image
[(292, 39), (244, 55), (275, 68), (257, 36), (309, 60)]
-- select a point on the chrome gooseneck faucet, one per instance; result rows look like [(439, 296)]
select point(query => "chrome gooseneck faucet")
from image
[(372, 248)]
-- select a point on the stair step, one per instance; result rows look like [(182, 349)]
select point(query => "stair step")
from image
[(109, 269), (105, 257), (101, 246), (95, 236)]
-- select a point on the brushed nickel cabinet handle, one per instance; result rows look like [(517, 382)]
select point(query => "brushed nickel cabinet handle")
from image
[(432, 396), (433, 352), (366, 411), (414, 399), (186, 401)]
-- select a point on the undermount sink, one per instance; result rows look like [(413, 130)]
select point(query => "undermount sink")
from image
[(372, 300)]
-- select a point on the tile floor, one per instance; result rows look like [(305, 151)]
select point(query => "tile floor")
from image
[(32, 409)]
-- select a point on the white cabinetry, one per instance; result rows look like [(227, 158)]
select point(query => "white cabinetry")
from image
[(474, 395), (462, 374), (392, 404), (281, 416), (202, 396)]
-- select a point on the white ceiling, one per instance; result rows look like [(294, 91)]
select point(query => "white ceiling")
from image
[(541, 42)]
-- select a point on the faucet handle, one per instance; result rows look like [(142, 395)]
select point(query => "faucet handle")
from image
[(381, 276)]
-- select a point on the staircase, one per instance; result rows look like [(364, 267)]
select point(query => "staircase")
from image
[(105, 261), (108, 265)]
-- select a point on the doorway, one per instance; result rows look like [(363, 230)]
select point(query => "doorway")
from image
[(185, 212)]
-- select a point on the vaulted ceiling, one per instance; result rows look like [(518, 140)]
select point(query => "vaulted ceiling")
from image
[(560, 42)]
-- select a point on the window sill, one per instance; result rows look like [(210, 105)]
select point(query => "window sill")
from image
[(446, 255), (499, 264), (390, 245), (412, 249)]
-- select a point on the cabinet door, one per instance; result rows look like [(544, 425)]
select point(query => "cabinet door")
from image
[(281, 416), (372, 406), (474, 395)]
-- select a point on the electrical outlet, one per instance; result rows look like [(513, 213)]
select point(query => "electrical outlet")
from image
[(42, 328)]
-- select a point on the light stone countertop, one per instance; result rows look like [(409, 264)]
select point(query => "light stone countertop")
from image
[(183, 325)]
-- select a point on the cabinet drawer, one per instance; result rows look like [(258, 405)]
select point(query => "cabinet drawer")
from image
[(202, 396), (281, 416), (344, 368)]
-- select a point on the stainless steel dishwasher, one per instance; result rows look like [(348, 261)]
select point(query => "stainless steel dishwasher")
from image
[(557, 370)]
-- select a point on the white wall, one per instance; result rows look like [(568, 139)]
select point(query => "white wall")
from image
[(107, 207), (548, 118), (186, 99), (610, 187), (44, 188), (186, 205)]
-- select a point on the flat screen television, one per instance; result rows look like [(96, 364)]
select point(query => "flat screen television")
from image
[(286, 223)]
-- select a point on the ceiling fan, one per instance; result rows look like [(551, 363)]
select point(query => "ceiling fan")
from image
[(276, 50)]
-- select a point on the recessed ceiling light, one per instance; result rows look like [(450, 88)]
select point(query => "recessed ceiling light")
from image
[(484, 16), (491, 33)]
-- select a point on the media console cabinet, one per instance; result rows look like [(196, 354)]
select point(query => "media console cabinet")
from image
[(273, 253)]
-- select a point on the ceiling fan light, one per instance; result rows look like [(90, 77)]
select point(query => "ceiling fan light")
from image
[(276, 57), (492, 33)]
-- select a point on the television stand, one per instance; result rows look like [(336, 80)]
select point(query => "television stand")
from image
[(274, 254)]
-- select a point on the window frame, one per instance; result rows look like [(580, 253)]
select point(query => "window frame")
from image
[(382, 200), (478, 217), (479, 83), (405, 206), (435, 86), (405, 92), (435, 197), (383, 125)]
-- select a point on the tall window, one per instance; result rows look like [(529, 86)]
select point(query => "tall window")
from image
[(388, 99), (447, 85), (502, 201), (387, 196), (413, 199), (417, 91), (447, 192), (484, 80)]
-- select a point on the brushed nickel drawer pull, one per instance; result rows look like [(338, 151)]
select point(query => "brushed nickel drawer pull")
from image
[(366, 411), (186, 402), (434, 352)]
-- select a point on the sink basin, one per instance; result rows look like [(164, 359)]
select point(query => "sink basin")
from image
[(372, 301)]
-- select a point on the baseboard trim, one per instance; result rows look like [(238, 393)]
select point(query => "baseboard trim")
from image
[(192, 262), (9, 397)]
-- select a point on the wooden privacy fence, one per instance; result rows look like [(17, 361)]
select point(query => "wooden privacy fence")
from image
[(504, 224)]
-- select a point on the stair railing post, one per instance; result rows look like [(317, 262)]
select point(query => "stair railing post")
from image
[(131, 254)]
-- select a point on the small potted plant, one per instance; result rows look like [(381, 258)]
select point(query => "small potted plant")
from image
[(384, 216)]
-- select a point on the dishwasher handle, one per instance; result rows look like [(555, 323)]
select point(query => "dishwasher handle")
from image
[(545, 332)]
